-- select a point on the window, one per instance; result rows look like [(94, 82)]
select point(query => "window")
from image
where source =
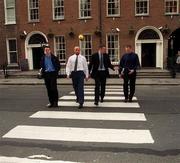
[(86, 46), (60, 48), (113, 7), (12, 51), (113, 47), (33, 10), (171, 7), (10, 16), (58, 6), (142, 7), (85, 8)]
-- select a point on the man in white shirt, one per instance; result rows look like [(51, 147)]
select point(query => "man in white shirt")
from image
[(77, 67)]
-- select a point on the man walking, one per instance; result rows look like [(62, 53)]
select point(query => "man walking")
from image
[(98, 68), (127, 70), (50, 67), (78, 69)]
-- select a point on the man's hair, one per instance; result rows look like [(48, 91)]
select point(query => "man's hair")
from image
[(102, 46), (128, 46)]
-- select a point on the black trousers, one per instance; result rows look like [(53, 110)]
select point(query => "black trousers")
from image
[(50, 79), (78, 85), (100, 85), (129, 80)]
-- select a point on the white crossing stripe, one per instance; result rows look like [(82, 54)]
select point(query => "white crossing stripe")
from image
[(114, 89), (108, 98), (81, 134), (90, 116), (26, 160), (107, 93), (103, 105), (107, 86)]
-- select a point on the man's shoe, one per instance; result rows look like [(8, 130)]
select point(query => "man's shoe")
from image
[(49, 105), (102, 101), (80, 106), (130, 100), (55, 105), (96, 103), (126, 100)]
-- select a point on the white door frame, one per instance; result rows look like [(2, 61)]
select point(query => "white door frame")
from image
[(158, 42), (28, 48)]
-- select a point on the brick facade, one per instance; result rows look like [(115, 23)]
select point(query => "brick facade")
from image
[(124, 22)]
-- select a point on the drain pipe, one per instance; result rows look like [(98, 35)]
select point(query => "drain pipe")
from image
[(100, 20)]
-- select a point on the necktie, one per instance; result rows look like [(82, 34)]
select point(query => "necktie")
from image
[(101, 61), (76, 63)]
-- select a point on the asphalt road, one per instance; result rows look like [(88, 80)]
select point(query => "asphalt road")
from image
[(159, 104)]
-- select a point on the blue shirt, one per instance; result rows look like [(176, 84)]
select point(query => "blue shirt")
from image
[(48, 64)]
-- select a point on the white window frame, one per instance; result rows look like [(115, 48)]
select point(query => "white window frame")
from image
[(82, 46), (29, 13), (6, 14), (62, 61), (171, 13), (113, 15), (116, 56), (8, 50), (141, 14), (53, 6), (89, 9)]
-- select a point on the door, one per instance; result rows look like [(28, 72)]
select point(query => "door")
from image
[(37, 54), (148, 55)]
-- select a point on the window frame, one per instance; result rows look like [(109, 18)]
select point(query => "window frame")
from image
[(171, 13), (91, 42), (29, 13), (142, 14), (62, 62), (118, 48), (8, 51), (6, 14), (53, 7), (119, 9), (89, 9)]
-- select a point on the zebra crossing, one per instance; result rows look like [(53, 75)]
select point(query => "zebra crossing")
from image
[(73, 133)]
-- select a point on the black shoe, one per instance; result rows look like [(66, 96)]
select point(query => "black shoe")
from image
[(80, 106), (102, 101), (130, 100), (55, 105), (126, 100), (49, 105), (96, 103)]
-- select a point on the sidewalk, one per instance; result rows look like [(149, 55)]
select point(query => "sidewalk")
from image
[(110, 81)]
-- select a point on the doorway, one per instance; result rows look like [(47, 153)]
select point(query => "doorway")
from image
[(148, 54), (37, 53)]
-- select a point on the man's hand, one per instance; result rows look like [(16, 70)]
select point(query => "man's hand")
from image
[(87, 78), (131, 72), (68, 77)]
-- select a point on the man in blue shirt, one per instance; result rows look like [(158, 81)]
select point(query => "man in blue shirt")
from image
[(127, 70), (50, 67)]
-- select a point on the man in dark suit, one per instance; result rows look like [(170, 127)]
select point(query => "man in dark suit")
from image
[(127, 70), (50, 66), (98, 68)]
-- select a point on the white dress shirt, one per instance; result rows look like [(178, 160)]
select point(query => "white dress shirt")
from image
[(81, 66)]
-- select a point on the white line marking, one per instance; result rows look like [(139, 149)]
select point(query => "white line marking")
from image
[(104, 104), (117, 98), (107, 93), (114, 90), (81, 134), (90, 116), (107, 86), (25, 160)]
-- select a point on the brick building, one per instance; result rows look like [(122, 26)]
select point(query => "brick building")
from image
[(151, 26)]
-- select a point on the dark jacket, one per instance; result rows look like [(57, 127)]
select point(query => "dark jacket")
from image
[(94, 64), (55, 63), (129, 61)]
